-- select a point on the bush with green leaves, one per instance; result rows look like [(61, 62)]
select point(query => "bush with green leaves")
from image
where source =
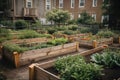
[(85, 30), (73, 27), (72, 22), (21, 24), (108, 58), (7, 23), (75, 68), (51, 30), (105, 33), (68, 32), (28, 34), (85, 19), (36, 25), (58, 41)]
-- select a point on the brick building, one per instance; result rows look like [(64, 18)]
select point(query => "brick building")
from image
[(36, 9)]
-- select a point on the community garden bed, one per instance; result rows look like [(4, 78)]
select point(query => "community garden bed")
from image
[(41, 71), (21, 54)]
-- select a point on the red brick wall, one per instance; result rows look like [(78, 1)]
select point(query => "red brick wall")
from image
[(88, 8)]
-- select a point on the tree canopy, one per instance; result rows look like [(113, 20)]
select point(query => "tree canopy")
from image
[(58, 16)]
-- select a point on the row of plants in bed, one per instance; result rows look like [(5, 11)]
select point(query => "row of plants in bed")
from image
[(102, 66), (25, 47)]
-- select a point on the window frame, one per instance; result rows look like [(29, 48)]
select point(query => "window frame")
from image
[(72, 3), (80, 3), (61, 2), (94, 4), (27, 3), (94, 15), (48, 3)]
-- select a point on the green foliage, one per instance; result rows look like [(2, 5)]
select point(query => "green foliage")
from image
[(68, 32), (85, 30), (73, 27), (57, 16), (28, 34), (14, 47), (85, 19), (36, 25), (75, 68), (58, 41), (108, 58), (51, 30), (72, 21), (105, 33), (21, 24), (7, 23)]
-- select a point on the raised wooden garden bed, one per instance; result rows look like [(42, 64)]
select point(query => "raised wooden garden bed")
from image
[(27, 57), (27, 41), (39, 72)]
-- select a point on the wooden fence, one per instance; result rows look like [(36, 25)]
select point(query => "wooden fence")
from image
[(38, 72), (27, 57)]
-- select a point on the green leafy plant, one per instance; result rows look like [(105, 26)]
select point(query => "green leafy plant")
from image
[(28, 34), (107, 58), (21, 24), (75, 68), (14, 47), (51, 30), (73, 27), (105, 33), (58, 41)]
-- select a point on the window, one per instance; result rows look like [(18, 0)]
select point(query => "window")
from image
[(29, 3), (72, 3), (71, 16), (94, 16), (48, 4), (79, 15), (94, 3), (60, 3), (105, 18), (81, 3)]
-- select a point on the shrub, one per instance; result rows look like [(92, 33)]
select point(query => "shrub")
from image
[(85, 30), (21, 24), (68, 32), (51, 30), (75, 68), (108, 58), (36, 25), (105, 33), (7, 23), (28, 34), (72, 21), (73, 27)]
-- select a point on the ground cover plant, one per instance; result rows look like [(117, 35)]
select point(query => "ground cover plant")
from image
[(108, 58), (76, 68)]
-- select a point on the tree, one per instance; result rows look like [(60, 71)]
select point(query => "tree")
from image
[(58, 16), (85, 19)]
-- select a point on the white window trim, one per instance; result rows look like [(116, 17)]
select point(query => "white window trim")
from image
[(94, 16), (30, 2), (80, 5), (48, 4), (72, 1), (79, 15), (95, 3), (60, 1)]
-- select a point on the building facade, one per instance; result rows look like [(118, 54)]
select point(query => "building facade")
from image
[(36, 9)]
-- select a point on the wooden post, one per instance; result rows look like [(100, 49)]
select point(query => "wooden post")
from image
[(31, 71), (94, 43), (77, 46), (16, 59)]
